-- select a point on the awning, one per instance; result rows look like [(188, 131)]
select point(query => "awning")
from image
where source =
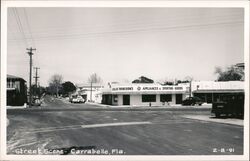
[(220, 91)]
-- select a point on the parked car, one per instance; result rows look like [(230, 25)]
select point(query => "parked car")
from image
[(229, 105), (77, 99), (192, 101), (36, 101)]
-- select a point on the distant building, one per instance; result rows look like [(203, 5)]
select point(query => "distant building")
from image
[(240, 67), (16, 91), (90, 93), (210, 91)]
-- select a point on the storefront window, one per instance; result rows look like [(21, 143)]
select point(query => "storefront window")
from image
[(166, 97), (148, 98)]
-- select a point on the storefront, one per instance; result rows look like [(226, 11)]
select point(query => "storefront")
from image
[(144, 94), (158, 95), (210, 91)]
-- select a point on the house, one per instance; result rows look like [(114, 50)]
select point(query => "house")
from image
[(16, 91)]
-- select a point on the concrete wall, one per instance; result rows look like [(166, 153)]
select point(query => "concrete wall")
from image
[(120, 100), (96, 96), (135, 100)]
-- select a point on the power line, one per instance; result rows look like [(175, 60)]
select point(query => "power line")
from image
[(20, 25), (135, 23), (138, 22), (132, 31), (27, 20), (10, 30), (128, 24)]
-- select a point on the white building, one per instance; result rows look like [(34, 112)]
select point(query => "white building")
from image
[(90, 92), (210, 91), (156, 94), (144, 94)]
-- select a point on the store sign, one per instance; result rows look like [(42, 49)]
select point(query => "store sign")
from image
[(122, 89), (150, 88)]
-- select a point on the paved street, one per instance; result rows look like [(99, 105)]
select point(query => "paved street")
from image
[(59, 126)]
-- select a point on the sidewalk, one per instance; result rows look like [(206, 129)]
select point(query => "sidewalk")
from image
[(232, 121), (17, 107), (101, 107), (206, 106)]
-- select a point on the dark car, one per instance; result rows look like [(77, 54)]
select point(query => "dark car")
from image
[(192, 101), (229, 105)]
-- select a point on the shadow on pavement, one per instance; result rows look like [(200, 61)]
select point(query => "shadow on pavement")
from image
[(227, 117)]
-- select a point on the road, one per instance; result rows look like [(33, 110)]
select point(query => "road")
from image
[(69, 129)]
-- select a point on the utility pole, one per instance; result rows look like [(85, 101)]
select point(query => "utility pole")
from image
[(30, 54), (91, 91), (190, 88), (36, 78)]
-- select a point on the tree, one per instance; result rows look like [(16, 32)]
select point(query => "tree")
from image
[(143, 79), (94, 78), (231, 73), (168, 83), (68, 87), (55, 83), (188, 79)]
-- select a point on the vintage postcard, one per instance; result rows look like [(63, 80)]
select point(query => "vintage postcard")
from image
[(124, 80)]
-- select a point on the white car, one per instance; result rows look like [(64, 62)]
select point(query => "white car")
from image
[(77, 99)]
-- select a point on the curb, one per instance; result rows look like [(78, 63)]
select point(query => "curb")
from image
[(165, 107), (103, 109)]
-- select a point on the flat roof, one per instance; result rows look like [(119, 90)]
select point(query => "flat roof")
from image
[(14, 77), (220, 91)]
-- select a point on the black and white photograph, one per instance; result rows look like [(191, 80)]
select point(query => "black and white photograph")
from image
[(113, 81)]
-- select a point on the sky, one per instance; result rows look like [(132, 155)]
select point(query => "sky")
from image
[(122, 44)]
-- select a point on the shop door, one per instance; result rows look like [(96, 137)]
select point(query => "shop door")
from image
[(126, 99), (178, 98)]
